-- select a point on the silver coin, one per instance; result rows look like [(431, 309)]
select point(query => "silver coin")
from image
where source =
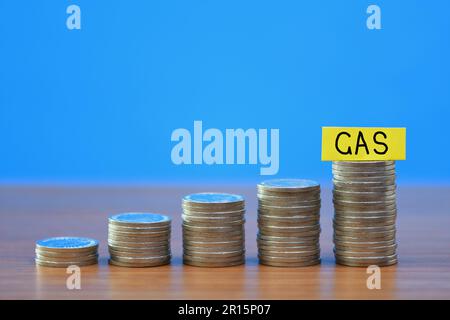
[(288, 243), (289, 185), (274, 195), (272, 263), (237, 248), (360, 164), (155, 263), (143, 249), (289, 260), (363, 207), (141, 245), (220, 223), (383, 263), (213, 259), (213, 236), (313, 227), (353, 224), (295, 216), (210, 217), (290, 197), (289, 254), (363, 235), (127, 229), (47, 263), (302, 234), (140, 259), (214, 254), (288, 212), (363, 197), (65, 254), (363, 229), (363, 238), (304, 223), (373, 258), (363, 254), (81, 259), (364, 182), (366, 243), (340, 167), (362, 174), (264, 248), (140, 235), (209, 198), (154, 236), (143, 219), (131, 254), (290, 238), (344, 213), (369, 194), (371, 248), (65, 244), (214, 264)]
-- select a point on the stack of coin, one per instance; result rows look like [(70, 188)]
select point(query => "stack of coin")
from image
[(364, 213), (213, 230), (289, 223), (139, 240), (66, 251)]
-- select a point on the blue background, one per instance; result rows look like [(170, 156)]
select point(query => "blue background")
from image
[(99, 104)]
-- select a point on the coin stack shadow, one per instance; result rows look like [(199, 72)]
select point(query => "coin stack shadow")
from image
[(289, 223), (61, 252), (364, 197), (213, 230), (139, 240)]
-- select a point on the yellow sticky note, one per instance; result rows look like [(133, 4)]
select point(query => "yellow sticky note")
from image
[(363, 144)]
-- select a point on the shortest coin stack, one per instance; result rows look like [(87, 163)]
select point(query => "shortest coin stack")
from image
[(139, 240), (61, 252), (289, 223), (213, 230)]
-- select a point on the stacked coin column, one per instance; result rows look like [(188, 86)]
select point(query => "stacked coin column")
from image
[(213, 230), (66, 251), (365, 212), (289, 223), (139, 239)]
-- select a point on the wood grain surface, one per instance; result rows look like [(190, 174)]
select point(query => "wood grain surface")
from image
[(31, 213)]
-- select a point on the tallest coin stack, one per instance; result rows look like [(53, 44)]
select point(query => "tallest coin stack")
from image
[(365, 212)]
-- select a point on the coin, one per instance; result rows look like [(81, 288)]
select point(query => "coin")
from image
[(53, 264), (139, 219), (213, 254), (213, 264), (289, 260), (72, 260), (214, 260), (289, 185), (274, 263), (66, 244), (134, 264)]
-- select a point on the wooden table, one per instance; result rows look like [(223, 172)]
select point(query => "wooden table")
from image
[(31, 213)]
